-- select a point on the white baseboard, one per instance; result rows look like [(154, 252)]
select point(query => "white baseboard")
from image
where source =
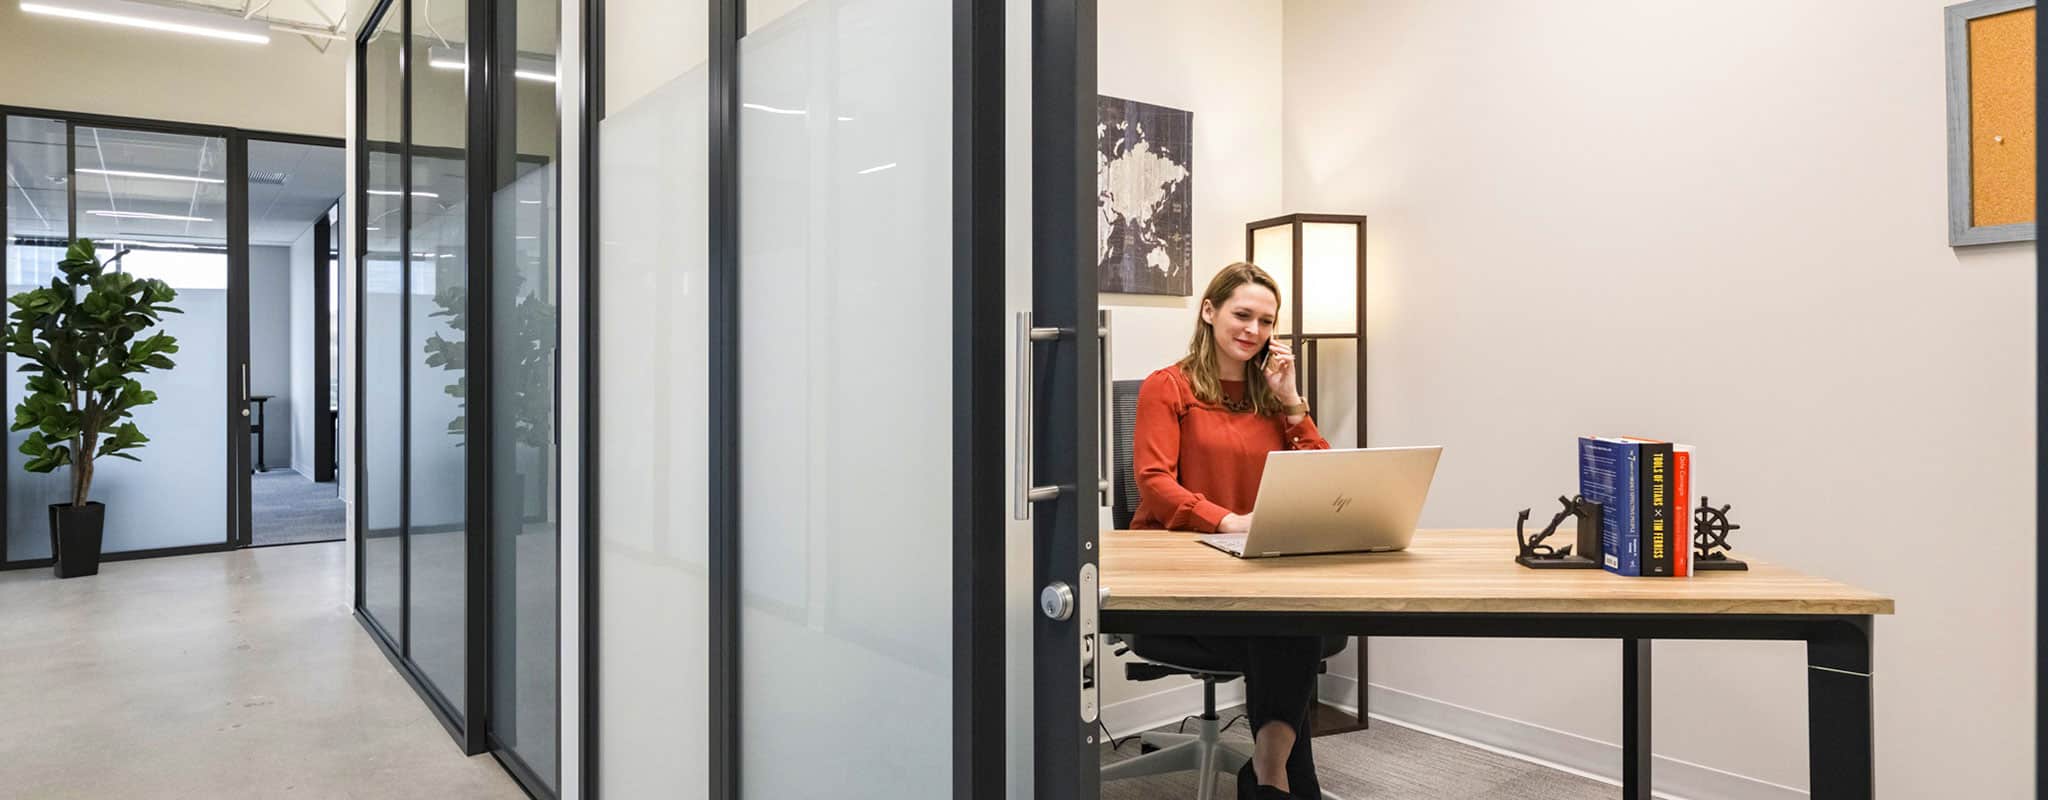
[(1165, 707), (1569, 752)]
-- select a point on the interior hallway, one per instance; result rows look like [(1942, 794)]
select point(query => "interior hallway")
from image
[(235, 674)]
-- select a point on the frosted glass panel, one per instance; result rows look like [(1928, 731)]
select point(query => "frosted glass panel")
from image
[(437, 332), (37, 224), (653, 335), (177, 495), (846, 275), (525, 468)]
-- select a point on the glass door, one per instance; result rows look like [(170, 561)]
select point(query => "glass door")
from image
[(799, 453), (857, 404), (845, 393), (291, 188), (524, 280)]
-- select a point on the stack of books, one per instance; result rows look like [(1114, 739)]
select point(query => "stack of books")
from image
[(1644, 488)]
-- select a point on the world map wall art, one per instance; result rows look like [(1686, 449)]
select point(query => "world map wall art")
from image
[(1144, 183)]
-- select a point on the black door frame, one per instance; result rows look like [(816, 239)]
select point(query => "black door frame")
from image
[(236, 144), (241, 510), (1066, 392), (979, 400)]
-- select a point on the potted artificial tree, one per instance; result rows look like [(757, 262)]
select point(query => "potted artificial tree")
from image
[(80, 341)]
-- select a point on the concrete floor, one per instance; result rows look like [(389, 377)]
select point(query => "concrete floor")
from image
[(223, 675)]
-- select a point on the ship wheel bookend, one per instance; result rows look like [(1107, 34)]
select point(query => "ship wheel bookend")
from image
[(1710, 529)]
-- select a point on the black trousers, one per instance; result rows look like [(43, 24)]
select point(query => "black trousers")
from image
[(1279, 684)]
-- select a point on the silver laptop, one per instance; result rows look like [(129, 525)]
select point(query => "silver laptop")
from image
[(1335, 501)]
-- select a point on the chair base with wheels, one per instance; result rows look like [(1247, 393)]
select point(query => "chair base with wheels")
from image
[(1203, 751)]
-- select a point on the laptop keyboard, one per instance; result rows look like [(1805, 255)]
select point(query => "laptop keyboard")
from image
[(1228, 542)]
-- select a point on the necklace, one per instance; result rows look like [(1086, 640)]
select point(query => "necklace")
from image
[(1240, 404)]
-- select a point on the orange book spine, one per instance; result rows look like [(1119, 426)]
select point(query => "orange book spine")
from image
[(1681, 496)]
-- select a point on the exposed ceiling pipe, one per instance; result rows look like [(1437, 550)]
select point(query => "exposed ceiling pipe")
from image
[(310, 31)]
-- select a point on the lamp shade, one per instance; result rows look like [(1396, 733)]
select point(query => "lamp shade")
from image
[(1320, 259)]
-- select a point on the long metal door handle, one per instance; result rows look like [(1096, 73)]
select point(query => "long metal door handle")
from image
[(1103, 473), (555, 395), (1026, 494)]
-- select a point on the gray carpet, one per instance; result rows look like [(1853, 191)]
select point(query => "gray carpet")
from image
[(287, 508), (1385, 761)]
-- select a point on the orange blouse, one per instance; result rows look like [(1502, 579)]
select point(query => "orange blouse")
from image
[(1196, 462)]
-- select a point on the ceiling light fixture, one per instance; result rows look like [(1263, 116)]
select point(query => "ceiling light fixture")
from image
[(157, 18), (145, 215), (122, 173), (389, 193)]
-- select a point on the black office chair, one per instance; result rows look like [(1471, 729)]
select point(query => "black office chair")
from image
[(1203, 751)]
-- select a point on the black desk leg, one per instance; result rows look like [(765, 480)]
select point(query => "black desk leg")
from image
[(1838, 729), (260, 429), (1635, 719)]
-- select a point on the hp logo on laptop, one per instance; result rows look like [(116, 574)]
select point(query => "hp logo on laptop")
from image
[(1339, 503)]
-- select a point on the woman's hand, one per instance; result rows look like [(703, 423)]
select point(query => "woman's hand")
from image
[(1280, 373), (1234, 523)]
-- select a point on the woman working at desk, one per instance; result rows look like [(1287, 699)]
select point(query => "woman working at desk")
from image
[(1203, 430)]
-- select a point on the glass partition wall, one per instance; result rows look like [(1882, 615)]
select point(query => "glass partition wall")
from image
[(791, 517), (162, 200), (158, 201), (460, 481)]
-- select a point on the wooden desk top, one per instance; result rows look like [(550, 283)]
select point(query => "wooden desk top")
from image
[(1442, 571)]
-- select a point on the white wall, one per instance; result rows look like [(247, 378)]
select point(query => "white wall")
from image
[(1767, 184), (1221, 60), (270, 354), (285, 86)]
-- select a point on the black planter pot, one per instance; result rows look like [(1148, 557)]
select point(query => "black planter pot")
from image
[(75, 538)]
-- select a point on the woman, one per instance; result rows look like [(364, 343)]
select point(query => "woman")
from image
[(1203, 430)]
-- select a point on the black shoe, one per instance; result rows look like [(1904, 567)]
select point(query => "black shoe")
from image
[(1249, 788)]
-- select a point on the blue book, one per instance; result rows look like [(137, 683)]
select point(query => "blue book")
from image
[(1608, 475)]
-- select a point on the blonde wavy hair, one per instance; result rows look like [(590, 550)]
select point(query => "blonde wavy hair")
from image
[(1200, 363)]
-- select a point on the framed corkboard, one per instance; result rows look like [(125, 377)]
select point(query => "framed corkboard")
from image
[(1991, 125)]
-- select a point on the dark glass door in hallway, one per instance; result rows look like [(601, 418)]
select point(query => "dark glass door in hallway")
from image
[(293, 190)]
